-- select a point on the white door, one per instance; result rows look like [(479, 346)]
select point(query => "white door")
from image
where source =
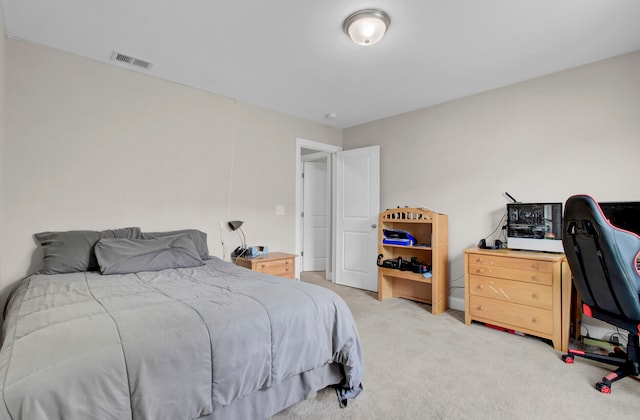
[(315, 220), (357, 204)]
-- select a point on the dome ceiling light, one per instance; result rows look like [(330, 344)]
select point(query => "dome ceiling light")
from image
[(366, 27)]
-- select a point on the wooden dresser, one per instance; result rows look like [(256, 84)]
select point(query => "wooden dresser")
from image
[(523, 291), (276, 263)]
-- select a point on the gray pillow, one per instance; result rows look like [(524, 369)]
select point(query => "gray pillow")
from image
[(72, 251), (198, 236), (122, 256)]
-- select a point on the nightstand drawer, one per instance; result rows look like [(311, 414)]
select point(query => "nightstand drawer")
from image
[(529, 294), (283, 268), (519, 316), (275, 263)]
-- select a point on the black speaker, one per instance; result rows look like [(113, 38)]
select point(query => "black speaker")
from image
[(497, 244)]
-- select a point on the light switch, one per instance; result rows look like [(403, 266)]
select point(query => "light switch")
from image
[(280, 210)]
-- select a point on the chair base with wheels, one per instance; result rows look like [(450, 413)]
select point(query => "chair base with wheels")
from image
[(628, 362)]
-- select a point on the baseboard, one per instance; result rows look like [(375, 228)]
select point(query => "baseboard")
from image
[(456, 303)]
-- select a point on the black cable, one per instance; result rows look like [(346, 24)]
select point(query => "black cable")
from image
[(585, 327), (497, 227)]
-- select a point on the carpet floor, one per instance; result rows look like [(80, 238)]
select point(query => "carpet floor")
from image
[(420, 366)]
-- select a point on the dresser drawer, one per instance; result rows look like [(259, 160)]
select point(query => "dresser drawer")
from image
[(282, 268), (516, 263), (512, 273), (529, 294), (519, 316)]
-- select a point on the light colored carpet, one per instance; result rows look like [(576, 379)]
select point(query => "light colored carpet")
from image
[(420, 366)]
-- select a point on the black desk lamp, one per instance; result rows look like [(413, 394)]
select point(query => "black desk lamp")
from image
[(235, 225)]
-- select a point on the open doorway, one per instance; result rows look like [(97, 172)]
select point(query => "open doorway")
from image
[(314, 214), (351, 192), (316, 210)]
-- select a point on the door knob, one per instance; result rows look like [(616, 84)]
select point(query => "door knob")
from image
[(373, 226)]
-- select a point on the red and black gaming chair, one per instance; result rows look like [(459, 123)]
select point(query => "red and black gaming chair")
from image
[(604, 263)]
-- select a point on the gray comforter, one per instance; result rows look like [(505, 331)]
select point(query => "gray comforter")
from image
[(173, 344)]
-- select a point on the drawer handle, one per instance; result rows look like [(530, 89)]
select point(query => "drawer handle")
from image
[(479, 270), (263, 265), (535, 266), (480, 286), (480, 308), (286, 262), (535, 296), (534, 278), (534, 320)]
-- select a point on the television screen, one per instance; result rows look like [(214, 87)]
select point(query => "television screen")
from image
[(535, 226)]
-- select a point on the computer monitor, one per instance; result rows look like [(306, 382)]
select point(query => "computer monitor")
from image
[(624, 215), (534, 226)]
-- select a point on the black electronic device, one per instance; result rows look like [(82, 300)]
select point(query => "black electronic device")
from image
[(239, 252), (497, 244), (534, 226), (401, 264), (390, 263), (623, 215)]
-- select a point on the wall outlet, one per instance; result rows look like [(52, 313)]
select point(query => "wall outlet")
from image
[(280, 210)]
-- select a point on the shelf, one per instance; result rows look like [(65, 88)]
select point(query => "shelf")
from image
[(417, 248), (407, 221), (409, 275)]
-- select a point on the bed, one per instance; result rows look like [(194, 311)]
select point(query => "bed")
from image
[(201, 339)]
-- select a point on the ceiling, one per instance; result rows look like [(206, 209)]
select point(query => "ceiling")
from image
[(292, 56)]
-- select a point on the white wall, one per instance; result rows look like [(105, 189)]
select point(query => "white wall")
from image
[(93, 146), (577, 131)]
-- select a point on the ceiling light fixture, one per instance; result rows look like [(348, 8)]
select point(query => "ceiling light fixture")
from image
[(366, 27)]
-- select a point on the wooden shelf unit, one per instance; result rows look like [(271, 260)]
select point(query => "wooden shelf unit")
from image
[(431, 232)]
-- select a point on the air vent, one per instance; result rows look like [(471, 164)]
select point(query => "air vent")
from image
[(134, 61)]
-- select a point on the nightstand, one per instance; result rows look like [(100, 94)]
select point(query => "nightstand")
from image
[(276, 263)]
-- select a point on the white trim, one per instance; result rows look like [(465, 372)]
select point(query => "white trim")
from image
[(320, 147), (312, 157)]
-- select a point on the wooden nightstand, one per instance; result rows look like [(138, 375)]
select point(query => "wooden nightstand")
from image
[(276, 263)]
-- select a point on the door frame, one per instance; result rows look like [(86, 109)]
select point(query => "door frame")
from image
[(318, 147)]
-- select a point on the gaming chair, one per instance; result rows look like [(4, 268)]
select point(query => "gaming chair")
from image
[(604, 263)]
